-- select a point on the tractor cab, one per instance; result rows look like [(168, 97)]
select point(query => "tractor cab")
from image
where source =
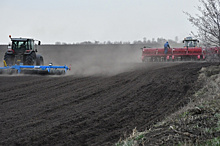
[(189, 42), (22, 46), (22, 51)]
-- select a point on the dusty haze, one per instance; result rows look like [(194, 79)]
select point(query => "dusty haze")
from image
[(90, 59)]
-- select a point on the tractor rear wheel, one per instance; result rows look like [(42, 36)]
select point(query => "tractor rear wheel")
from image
[(30, 59), (9, 59)]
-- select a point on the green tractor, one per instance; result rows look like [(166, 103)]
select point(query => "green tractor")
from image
[(23, 51)]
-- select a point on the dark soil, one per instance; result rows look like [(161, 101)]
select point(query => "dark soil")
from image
[(92, 110)]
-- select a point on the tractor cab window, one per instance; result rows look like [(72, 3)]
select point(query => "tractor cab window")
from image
[(19, 45), (190, 44), (195, 44), (186, 43), (30, 45)]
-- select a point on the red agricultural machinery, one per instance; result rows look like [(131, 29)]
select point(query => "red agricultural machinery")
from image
[(190, 52)]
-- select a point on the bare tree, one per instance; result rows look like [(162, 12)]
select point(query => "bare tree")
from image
[(207, 22)]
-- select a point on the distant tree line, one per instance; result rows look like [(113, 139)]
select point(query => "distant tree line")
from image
[(150, 43)]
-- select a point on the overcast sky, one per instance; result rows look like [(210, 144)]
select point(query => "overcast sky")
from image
[(73, 21)]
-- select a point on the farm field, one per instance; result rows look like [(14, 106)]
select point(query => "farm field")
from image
[(104, 97)]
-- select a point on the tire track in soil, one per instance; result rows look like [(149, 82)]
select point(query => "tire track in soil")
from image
[(91, 110)]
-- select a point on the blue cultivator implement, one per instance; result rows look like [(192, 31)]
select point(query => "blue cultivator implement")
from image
[(31, 69)]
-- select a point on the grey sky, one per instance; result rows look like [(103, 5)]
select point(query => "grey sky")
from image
[(74, 21)]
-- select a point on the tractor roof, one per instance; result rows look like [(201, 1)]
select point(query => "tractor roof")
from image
[(20, 39), (190, 39)]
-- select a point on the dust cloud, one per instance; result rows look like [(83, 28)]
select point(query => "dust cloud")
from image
[(92, 59)]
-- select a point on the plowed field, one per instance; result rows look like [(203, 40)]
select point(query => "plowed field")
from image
[(105, 96), (92, 109)]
